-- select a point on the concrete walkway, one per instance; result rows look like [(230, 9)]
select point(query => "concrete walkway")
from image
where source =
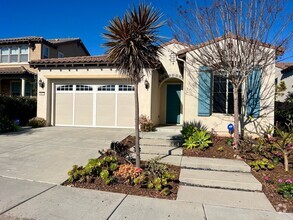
[(34, 163)]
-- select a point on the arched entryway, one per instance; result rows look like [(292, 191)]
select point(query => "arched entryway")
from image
[(171, 91)]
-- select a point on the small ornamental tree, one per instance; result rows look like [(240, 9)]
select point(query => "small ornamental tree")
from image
[(234, 39), (132, 43)]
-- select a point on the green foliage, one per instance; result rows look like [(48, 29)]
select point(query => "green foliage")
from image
[(221, 149), (12, 108), (146, 124), (280, 89), (199, 139), (262, 164), (99, 167), (37, 122), (286, 189), (229, 141), (283, 114), (189, 128), (155, 168)]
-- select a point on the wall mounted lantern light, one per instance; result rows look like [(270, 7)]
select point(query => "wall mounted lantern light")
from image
[(146, 84), (41, 83)]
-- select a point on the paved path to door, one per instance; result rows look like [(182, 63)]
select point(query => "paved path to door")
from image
[(46, 154)]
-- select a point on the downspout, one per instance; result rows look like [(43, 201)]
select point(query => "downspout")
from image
[(184, 85)]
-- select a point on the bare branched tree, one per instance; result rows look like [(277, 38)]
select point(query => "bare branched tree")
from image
[(234, 38)]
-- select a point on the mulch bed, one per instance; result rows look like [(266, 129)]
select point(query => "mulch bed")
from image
[(122, 187), (269, 187)]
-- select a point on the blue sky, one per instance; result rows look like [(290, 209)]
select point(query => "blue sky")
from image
[(85, 19)]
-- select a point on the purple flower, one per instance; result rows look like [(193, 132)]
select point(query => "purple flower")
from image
[(280, 180), (288, 181), (267, 178)]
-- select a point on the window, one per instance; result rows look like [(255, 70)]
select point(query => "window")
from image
[(14, 54), (15, 88), (126, 88), (65, 88), (106, 88), (23, 54), (60, 55), (223, 100), (28, 89), (83, 88), (45, 52), (4, 54)]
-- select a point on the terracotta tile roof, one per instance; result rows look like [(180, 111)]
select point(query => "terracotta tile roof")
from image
[(29, 39), (283, 65), (230, 36), (71, 60), (14, 70), (174, 41), (63, 40)]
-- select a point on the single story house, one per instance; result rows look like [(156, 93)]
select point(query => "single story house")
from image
[(89, 91)]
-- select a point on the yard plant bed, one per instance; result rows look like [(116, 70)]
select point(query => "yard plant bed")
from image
[(219, 149), (270, 180), (120, 186)]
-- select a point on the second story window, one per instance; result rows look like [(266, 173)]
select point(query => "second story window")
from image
[(45, 52), (60, 55), (14, 54)]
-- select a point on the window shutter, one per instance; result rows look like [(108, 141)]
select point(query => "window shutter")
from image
[(253, 94), (204, 92)]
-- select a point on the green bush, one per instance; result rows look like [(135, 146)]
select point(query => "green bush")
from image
[(199, 139), (263, 164), (37, 122), (189, 128), (16, 108), (283, 114)]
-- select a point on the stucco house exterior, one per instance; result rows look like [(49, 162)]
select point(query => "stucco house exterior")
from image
[(17, 78), (89, 91), (284, 72)]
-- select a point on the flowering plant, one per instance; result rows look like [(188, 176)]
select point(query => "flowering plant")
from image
[(286, 188)]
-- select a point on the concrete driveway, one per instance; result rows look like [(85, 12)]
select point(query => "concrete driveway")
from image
[(46, 154)]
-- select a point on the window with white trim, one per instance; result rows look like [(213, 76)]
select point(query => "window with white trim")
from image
[(14, 54), (45, 52), (126, 88), (84, 88), (65, 88), (106, 88)]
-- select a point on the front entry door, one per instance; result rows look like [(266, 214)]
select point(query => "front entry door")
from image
[(173, 104)]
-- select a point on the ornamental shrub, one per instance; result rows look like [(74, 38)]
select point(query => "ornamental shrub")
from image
[(146, 124), (37, 122)]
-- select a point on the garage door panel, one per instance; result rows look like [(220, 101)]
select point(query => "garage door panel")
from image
[(83, 114), (105, 109), (64, 109), (125, 110)]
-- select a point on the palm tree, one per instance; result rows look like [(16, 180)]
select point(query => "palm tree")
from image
[(132, 43)]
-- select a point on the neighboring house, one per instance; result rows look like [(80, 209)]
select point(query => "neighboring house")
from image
[(284, 72), (16, 76), (89, 91)]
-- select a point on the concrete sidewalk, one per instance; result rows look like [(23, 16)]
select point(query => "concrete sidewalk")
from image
[(20, 199)]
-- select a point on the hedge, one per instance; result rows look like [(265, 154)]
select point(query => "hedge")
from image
[(16, 108), (283, 113)]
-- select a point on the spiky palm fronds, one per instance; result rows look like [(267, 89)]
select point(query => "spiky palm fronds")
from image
[(132, 41)]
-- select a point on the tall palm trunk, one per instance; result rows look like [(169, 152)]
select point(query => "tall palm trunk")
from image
[(136, 122), (236, 117)]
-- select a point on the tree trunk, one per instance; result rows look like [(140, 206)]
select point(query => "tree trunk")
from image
[(236, 117), (136, 122), (286, 162)]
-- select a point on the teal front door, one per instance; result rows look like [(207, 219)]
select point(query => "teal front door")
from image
[(173, 104)]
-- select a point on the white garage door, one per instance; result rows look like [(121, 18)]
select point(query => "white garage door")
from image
[(94, 105)]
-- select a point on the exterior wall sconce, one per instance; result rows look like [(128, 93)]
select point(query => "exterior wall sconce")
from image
[(146, 84), (172, 57), (41, 84)]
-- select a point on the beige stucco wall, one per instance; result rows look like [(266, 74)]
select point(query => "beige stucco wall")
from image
[(219, 121)]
